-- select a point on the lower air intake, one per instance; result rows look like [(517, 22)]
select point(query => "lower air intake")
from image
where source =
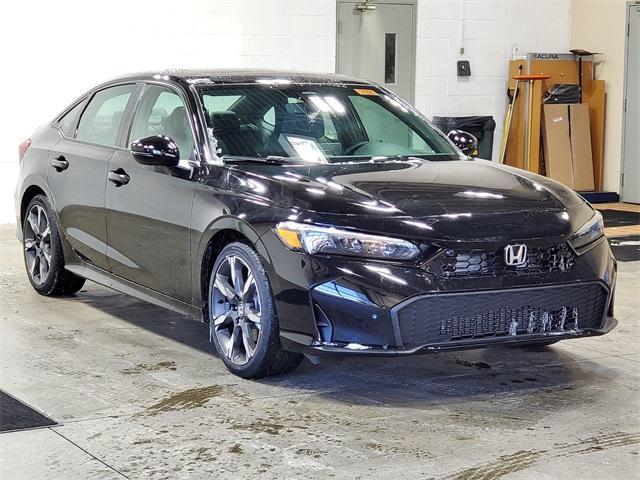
[(525, 311)]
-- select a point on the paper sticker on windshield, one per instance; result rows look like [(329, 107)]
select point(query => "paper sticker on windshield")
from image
[(366, 91)]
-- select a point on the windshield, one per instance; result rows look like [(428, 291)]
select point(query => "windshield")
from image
[(316, 124)]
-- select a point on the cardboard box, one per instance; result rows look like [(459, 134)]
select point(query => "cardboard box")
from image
[(557, 143), (567, 145), (581, 147)]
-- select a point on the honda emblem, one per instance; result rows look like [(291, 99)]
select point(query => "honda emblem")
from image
[(515, 255)]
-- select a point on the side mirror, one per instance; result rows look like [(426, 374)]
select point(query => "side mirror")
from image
[(156, 150), (464, 141)]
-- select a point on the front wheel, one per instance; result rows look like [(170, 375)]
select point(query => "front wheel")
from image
[(242, 316)]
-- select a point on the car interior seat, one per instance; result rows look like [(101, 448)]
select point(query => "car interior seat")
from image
[(110, 134), (296, 121), (176, 126), (236, 136)]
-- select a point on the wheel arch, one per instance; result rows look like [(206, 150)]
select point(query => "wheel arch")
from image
[(219, 234), (32, 189)]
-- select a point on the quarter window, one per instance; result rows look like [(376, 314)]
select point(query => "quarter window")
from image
[(68, 121), (162, 112), (101, 119)]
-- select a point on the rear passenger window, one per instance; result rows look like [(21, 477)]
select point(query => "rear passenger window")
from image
[(102, 117), (68, 121)]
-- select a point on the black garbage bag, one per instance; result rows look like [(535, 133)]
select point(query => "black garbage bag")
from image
[(482, 127), (562, 93)]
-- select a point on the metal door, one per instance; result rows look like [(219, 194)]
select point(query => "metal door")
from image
[(631, 161), (378, 43)]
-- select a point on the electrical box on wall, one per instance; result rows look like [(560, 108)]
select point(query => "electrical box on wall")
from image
[(464, 68)]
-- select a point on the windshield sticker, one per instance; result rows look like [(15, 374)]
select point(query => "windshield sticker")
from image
[(366, 92)]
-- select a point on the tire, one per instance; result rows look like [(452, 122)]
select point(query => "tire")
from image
[(43, 255), (243, 323)]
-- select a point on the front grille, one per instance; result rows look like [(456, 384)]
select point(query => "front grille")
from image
[(502, 313), (490, 263)]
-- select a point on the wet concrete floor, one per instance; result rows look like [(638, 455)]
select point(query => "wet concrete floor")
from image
[(138, 393)]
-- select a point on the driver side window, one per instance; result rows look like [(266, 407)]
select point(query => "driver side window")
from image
[(161, 111)]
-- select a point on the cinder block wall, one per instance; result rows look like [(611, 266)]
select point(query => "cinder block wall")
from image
[(60, 49), (54, 51), (491, 29)]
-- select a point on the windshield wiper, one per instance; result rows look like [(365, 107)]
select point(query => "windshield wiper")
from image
[(270, 159)]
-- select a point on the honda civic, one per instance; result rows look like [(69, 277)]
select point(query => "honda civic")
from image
[(305, 214)]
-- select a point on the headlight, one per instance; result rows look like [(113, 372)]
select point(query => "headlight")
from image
[(590, 231), (313, 239)]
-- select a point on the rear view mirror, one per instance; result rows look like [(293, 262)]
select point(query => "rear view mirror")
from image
[(156, 150), (464, 141)]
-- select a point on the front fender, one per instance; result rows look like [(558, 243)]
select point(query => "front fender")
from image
[(224, 223)]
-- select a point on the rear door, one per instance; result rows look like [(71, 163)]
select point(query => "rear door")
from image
[(149, 217), (78, 173)]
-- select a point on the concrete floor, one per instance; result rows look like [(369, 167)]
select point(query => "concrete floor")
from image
[(139, 394)]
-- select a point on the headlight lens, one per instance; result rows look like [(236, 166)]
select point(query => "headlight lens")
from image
[(328, 240), (590, 231)]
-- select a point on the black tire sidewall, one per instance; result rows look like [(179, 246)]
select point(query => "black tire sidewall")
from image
[(269, 340), (57, 256)]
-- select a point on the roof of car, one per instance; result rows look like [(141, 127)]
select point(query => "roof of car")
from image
[(231, 76)]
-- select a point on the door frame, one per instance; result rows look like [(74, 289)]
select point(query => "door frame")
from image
[(625, 87), (414, 40)]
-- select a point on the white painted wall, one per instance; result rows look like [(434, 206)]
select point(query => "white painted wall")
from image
[(54, 51), (491, 29), (60, 49), (600, 26)]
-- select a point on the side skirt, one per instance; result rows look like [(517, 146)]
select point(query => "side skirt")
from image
[(124, 286)]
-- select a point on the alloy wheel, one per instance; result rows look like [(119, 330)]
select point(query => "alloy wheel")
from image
[(235, 310), (37, 244)]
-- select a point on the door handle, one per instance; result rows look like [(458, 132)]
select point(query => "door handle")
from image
[(60, 163), (118, 177)]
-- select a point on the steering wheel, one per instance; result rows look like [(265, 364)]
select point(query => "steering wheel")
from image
[(352, 148)]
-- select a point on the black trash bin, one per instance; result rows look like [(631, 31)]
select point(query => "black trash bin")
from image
[(479, 126)]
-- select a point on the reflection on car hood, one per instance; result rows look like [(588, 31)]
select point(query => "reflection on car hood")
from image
[(461, 200)]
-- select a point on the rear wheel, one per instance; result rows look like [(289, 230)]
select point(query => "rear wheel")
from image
[(43, 256), (242, 317)]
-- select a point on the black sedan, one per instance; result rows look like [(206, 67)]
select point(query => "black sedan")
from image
[(305, 214)]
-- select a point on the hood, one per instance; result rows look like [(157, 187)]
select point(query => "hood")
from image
[(453, 200)]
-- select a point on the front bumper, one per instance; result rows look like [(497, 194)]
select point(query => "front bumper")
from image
[(349, 306), (374, 350)]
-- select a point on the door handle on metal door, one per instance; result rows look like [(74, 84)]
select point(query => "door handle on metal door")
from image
[(60, 163), (118, 177)]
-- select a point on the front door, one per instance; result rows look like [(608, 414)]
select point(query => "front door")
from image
[(78, 173), (631, 161), (376, 41), (149, 214)]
